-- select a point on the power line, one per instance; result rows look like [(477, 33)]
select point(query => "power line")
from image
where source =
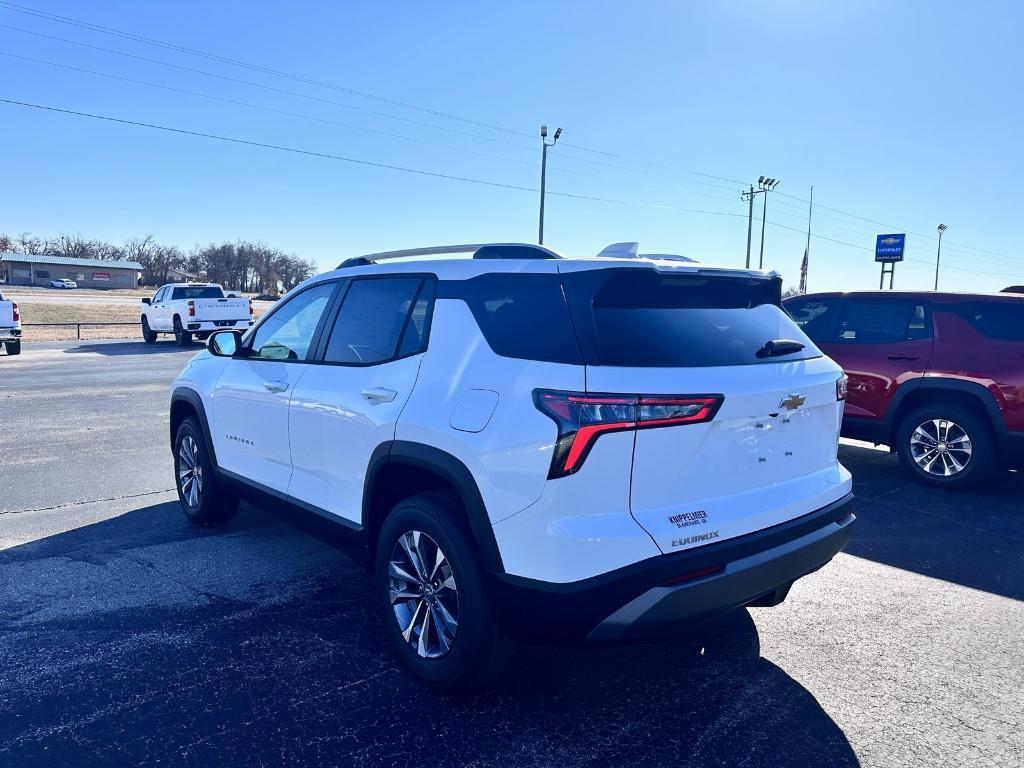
[(268, 70)]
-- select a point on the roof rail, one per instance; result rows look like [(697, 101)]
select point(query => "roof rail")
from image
[(479, 251)]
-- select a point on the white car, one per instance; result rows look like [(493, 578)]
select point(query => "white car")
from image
[(10, 326), (63, 283), (521, 445), (184, 309)]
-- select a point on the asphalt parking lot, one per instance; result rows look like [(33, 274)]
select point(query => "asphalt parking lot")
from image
[(128, 637)]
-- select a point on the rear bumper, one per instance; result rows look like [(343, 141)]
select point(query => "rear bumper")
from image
[(218, 325), (635, 602), (10, 334)]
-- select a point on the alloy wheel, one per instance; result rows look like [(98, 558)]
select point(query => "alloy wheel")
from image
[(423, 594), (941, 447), (190, 471)]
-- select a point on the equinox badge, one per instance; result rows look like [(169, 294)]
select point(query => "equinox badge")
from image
[(792, 401)]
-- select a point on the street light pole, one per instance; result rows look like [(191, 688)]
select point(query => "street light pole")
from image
[(544, 174), (938, 254)]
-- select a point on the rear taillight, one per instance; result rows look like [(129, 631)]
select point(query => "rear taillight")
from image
[(191, 308), (582, 418), (842, 384), (17, 313)]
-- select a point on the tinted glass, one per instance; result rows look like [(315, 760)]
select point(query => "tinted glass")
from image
[(287, 333), (371, 320), (815, 317), (883, 322), (418, 329), (198, 292), (643, 318), (1003, 320), (520, 315)]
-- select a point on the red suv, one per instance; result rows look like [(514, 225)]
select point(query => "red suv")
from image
[(938, 377)]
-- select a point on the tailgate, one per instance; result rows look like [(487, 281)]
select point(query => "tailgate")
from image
[(6, 314), (221, 309), (769, 454)]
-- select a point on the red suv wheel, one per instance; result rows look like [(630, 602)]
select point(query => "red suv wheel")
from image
[(947, 446)]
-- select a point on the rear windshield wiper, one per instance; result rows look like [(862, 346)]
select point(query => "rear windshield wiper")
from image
[(778, 347)]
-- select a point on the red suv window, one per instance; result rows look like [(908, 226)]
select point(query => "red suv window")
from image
[(883, 321)]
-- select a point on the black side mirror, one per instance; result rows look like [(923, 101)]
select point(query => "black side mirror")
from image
[(147, 300), (225, 344)]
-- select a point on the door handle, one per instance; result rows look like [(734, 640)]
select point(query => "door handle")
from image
[(902, 357), (275, 386), (379, 395)]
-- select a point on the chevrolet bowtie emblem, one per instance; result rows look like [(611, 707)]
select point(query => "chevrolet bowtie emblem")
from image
[(890, 240), (792, 401)]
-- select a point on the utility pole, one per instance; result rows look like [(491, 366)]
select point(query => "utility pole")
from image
[(543, 173), (764, 186), (942, 228)]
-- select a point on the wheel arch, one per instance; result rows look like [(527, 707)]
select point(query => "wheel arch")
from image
[(398, 469), (932, 390), (186, 402)]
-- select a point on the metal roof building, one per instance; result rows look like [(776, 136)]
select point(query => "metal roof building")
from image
[(27, 269)]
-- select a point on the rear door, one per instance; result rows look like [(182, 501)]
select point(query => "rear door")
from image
[(769, 453), (881, 342), (349, 402)]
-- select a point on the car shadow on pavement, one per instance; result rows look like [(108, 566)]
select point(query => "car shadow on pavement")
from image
[(133, 347), (141, 639), (973, 537)]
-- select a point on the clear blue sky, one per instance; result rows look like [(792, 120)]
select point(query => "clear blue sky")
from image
[(908, 114)]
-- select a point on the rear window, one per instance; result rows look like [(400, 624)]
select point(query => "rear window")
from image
[(520, 315), (198, 292), (1002, 320), (646, 318)]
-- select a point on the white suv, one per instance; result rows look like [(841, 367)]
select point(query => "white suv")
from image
[(522, 445)]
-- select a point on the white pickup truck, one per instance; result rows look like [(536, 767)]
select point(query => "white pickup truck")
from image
[(185, 309), (10, 326)]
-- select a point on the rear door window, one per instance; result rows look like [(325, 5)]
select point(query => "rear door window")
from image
[(520, 315), (815, 317), (372, 320), (881, 321), (645, 318)]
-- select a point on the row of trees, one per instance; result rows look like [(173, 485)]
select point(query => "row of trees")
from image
[(242, 265)]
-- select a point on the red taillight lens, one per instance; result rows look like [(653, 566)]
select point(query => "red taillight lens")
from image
[(17, 312), (583, 417), (191, 309), (842, 385)]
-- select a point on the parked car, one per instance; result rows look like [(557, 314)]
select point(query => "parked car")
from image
[(527, 446), (938, 377), (10, 326), (192, 308), (63, 283)]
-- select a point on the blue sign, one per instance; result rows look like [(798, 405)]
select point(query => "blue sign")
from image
[(889, 247)]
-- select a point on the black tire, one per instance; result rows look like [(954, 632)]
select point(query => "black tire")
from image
[(478, 650), (148, 335), (211, 504), (182, 337), (13, 347), (976, 465)]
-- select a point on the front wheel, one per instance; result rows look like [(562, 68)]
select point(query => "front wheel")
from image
[(205, 501), (430, 588), (13, 347), (946, 446), (148, 334)]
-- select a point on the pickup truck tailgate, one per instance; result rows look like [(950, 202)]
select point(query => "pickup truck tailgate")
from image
[(220, 309)]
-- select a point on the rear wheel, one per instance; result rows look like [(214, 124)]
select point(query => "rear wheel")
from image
[(205, 501), (13, 347), (181, 336), (947, 446), (430, 589), (148, 335)]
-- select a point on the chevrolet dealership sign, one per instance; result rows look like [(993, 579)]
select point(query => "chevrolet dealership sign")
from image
[(889, 247)]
